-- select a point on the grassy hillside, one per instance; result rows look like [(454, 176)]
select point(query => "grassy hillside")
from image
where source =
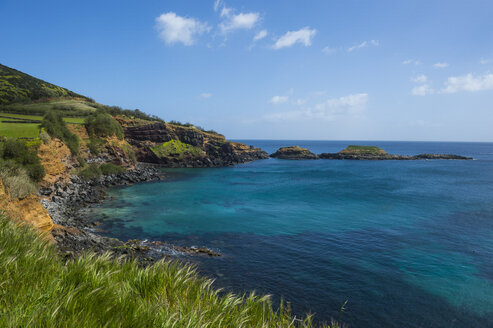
[(39, 289), (16, 86)]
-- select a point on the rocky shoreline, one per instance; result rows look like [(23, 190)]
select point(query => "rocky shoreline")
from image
[(369, 153), (75, 233)]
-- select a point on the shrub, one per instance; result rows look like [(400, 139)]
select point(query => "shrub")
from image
[(45, 137), (16, 151), (93, 171), (33, 143), (115, 110), (173, 122), (56, 127), (16, 180), (89, 172), (103, 125), (128, 150), (110, 168), (95, 145)]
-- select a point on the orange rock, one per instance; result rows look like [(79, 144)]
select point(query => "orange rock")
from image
[(27, 210), (55, 157)]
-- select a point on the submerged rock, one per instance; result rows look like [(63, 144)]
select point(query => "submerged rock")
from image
[(293, 152)]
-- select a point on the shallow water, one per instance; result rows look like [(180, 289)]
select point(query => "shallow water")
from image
[(406, 243)]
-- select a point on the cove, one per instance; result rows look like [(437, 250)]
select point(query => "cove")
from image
[(406, 243)]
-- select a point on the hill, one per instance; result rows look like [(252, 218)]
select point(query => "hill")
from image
[(16, 86)]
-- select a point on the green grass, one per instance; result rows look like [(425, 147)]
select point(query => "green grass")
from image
[(364, 149), (38, 289), (93, 171), (17, 86), (76, 120), (72, 107), (176, 149), (19, 130)]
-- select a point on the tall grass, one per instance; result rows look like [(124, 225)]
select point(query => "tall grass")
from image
[(16, 180), (38, 289)]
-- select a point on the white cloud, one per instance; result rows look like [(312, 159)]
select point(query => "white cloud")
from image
[(419, 79), (411, 61), (205, 95), (364, 44), (173, 28), (468, 83), (422, 90), (440, 65), (303, 36), (329, 51), (225, 11), (484, 61), (234, 21), (331, 109), (239, 21), (260, 35), (276, 100), (217, 5)]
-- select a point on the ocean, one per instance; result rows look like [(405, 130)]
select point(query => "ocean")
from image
[(405, 243)]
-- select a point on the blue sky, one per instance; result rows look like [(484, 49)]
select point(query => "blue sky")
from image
[(347, 70)]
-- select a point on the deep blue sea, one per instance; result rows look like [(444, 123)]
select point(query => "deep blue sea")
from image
[(405, 243)]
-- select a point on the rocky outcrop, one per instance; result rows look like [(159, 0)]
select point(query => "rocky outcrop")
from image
[(382, 157), (186, 146), (370, 153), (293, 152)]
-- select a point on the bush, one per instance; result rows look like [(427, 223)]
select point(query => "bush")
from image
[(89, 172), (19, 186), (93, 171), (95, 145), (110, 168), (103, 125), (16, 180), (56, 127), (45, 137), (16, 151), (115, 110), (128, 150)]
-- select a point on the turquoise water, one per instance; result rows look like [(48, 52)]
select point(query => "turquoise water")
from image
[(406, 243)]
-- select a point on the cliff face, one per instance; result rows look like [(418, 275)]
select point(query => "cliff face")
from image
[(186, 146), (28, 210)]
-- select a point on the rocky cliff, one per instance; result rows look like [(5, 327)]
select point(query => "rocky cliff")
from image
[(186, 146), (294, 152)]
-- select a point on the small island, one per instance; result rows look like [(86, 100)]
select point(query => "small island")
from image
[(355, 152), (294, 153)]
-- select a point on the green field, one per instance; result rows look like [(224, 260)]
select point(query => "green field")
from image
[(19, 130), (26, 130), (3, 117), (41, 107)]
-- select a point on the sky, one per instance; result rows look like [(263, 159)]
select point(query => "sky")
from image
[(290, 69)]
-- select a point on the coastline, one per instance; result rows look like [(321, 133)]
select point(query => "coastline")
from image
[(75, 232)]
